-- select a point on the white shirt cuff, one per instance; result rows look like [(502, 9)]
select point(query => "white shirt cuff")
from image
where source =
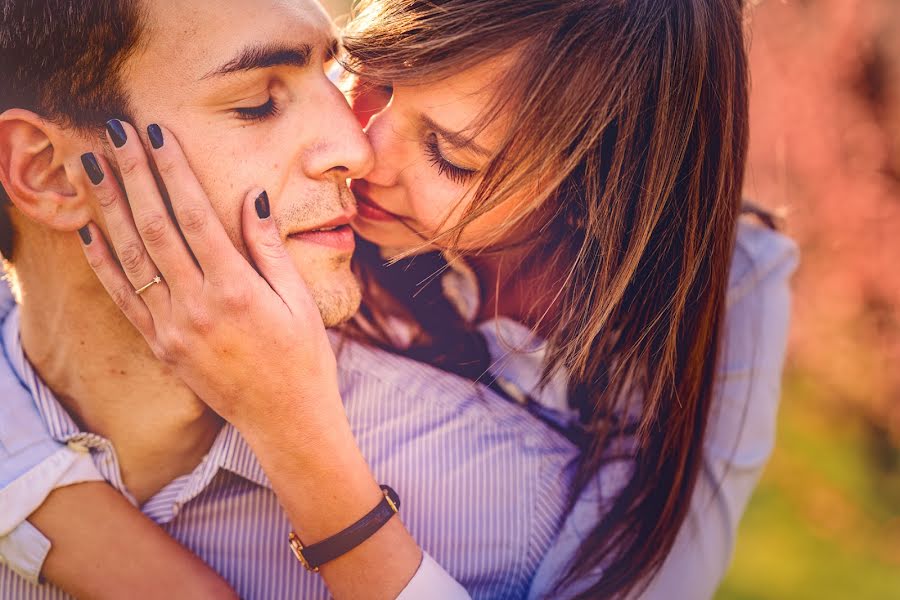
[(22, 547), (68, 465), (24, 550), (432, 582)]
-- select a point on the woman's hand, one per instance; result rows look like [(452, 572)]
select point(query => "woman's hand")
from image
[(250, 344)]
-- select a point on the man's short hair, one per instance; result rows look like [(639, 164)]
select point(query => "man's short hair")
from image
[(61, 59)]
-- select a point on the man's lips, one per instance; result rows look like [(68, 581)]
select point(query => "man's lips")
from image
[(335, 233)]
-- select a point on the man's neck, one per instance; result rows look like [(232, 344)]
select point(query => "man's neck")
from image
[(105, 375)]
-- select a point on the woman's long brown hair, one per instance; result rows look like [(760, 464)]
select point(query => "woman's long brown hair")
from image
[(633, 113)]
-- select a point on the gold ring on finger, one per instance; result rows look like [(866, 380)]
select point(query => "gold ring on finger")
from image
[(154, 281)]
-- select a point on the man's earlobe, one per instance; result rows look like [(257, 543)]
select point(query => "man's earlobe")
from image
[(36, 158)]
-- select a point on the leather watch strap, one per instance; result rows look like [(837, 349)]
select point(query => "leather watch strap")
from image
[(315, 555)]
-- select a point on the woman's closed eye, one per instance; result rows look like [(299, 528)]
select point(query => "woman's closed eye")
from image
[(258, 113), (446, 168)]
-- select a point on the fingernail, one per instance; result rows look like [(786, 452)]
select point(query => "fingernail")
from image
[(92, 167), (155, 135), (85, 233), (116, 132), (262, 206)]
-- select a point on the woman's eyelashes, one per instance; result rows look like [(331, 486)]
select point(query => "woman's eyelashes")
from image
[(445, 167), (258, 113)]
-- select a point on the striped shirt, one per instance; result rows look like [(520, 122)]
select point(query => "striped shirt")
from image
[(483, 484), (738, 443)]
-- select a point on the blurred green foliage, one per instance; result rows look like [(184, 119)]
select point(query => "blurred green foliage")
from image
[(824, 522)]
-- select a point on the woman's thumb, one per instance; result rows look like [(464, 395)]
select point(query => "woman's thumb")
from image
[(268, 252)]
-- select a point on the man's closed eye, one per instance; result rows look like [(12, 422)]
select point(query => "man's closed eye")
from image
[(258, 113)]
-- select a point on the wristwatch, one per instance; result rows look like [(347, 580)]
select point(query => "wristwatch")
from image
[(316, 555)]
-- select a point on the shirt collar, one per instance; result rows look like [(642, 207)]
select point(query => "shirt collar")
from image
[(60, 425), (518, 354), (229, 450)]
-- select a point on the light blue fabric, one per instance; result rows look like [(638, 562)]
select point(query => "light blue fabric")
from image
[(6, 298), (483, 483), (739, 442), (24, 446), (24, 442)]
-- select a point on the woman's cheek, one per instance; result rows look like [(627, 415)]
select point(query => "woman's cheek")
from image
[(437, 215), (444, 206)]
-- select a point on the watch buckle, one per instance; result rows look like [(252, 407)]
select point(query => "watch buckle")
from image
[(297, 549), (390, 501)]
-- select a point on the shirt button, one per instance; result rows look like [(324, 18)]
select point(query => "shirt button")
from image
[(78, 447)]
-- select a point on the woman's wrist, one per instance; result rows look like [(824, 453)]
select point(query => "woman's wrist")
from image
[(325, 485), (316, 468), (323, 498)]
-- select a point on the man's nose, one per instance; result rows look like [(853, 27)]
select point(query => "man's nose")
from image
[(342, 147)]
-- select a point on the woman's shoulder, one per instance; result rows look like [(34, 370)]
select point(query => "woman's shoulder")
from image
[(762, 256), (741, 430)]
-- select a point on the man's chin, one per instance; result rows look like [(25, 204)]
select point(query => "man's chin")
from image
[(330, 279), (338, 299)]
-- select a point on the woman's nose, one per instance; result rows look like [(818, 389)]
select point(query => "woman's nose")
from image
[(387, 148)]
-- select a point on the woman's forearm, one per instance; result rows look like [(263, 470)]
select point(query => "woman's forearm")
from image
[(325, 485), (103, 547)]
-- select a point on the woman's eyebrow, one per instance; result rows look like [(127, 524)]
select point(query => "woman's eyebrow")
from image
[(264, 57), (455, 138)]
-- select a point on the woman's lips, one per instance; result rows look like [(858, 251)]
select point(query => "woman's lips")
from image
[(368, 209)]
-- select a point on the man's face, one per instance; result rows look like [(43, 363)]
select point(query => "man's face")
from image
[(241, 84)]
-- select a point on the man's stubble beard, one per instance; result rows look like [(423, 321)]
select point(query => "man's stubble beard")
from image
[(338, 301), (336, 290)]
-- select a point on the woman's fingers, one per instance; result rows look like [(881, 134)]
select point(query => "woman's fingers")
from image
[(199, 223), (270, 255), (114, 280), (150, 216), (138, 267)]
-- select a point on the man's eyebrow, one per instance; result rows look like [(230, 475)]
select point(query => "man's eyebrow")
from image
[(454, 138), (264, 57)]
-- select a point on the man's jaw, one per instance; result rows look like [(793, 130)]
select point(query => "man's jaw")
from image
[(339, 300)]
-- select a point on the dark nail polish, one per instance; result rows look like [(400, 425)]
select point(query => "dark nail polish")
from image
[(262, 206), (92, 167), (116, 132), (85, 233), (155, 135)]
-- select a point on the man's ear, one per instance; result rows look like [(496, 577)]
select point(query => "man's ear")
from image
[(40, 169)]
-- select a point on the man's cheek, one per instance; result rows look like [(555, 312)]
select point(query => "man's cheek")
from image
[(230, 215)]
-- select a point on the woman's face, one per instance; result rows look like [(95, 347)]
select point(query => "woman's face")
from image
[(427, 157)]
